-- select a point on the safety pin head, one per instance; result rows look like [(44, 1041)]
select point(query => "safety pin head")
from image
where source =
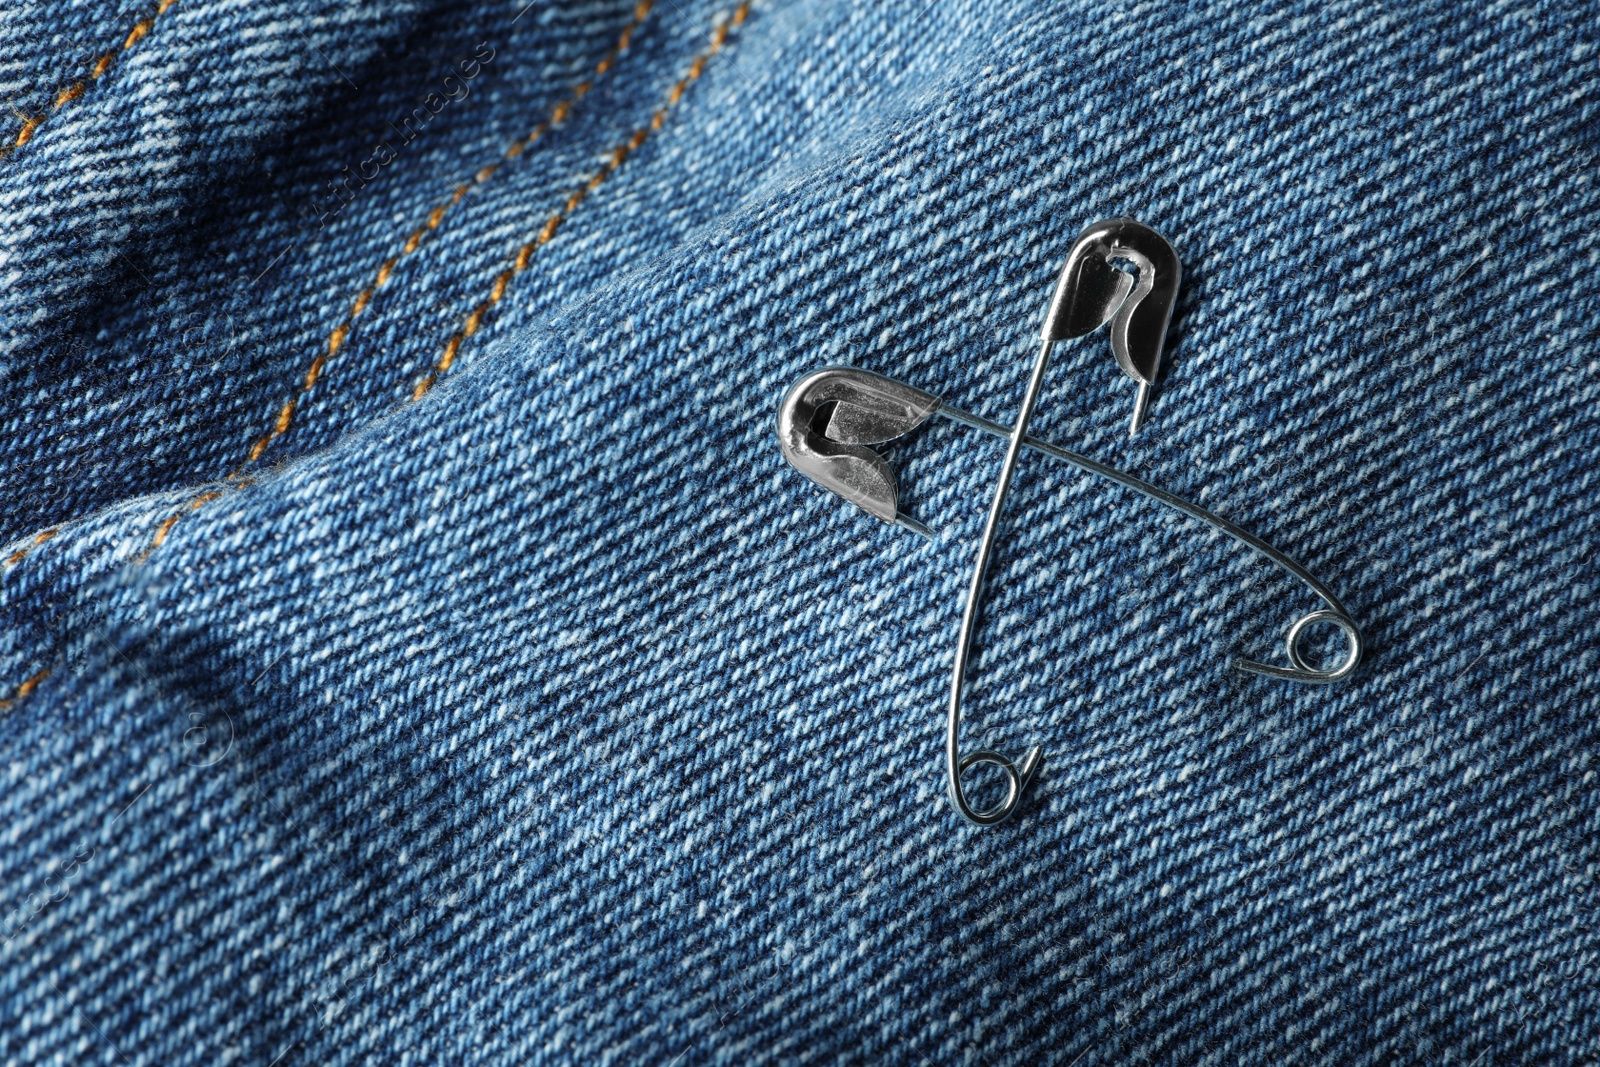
[(827, 420), (1092, 291)]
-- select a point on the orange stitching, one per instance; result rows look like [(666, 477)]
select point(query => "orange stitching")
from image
[(502, 281), (164, 529), (24, 689), (25, 134), (101, 65), (558, 115), (17, 556), (239, 479), (337, 337), (474, 319)]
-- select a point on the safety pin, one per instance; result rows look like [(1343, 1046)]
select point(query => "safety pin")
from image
[(828, 418)]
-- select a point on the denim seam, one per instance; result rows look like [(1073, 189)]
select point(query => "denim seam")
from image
[(341, 332), (238, 478), (618, 156), (194, 505), (26, 687), (470, 325), (719, 37), (22, 553), (78, 88)]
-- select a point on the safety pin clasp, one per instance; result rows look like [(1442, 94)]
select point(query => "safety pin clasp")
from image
[(1091, 291), (828, 418)]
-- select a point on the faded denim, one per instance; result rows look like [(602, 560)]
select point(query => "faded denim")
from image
[(417, 651)]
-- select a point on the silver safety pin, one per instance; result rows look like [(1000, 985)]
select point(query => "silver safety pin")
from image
[(828, 418)]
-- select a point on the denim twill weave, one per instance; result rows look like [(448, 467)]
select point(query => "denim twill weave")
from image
[(551, 718)]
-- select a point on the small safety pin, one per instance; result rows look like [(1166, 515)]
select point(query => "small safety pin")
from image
[(828, 418)]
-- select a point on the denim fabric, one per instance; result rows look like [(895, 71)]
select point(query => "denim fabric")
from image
[(415, 649)]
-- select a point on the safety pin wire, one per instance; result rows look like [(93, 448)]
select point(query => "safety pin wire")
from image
[(1018, 775), (1194, 511), (829, 419)]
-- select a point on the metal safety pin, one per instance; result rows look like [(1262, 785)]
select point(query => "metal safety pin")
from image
[(828, 418)]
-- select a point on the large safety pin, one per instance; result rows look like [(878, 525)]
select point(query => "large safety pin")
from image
[(828, 418)]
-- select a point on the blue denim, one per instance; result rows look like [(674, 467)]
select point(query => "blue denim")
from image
[(414, 648)]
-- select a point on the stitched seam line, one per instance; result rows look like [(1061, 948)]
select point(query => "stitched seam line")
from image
[(618, 156), (240, 481), (31, 124), (341, 332), (657, 120), (43, 536), (470, 325), (24, 689)]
